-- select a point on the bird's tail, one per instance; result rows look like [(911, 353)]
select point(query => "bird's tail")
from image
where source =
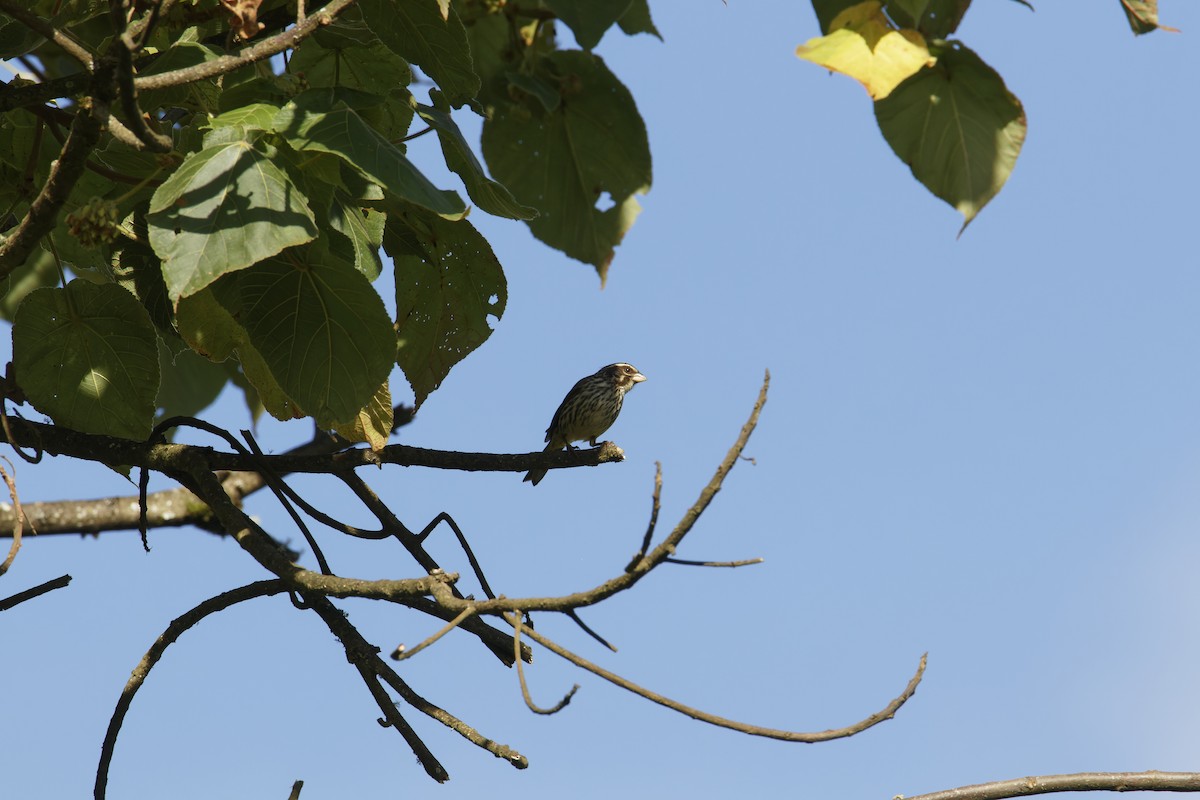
[(535, 476)]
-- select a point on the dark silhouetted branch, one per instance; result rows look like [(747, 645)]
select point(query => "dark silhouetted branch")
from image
[(36, 591)]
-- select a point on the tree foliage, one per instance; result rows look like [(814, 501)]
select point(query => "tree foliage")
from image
[(198, 192)]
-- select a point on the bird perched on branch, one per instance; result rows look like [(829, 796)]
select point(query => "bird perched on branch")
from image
[(588, 410)]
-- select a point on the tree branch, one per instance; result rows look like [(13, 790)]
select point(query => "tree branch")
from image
[(45, 29), (1150, 781), (152, 656), (886, 713), (42, 216), (264, 49), (36, 591), (636, 571)]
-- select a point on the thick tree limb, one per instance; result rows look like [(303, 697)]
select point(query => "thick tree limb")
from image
[(164, 457)]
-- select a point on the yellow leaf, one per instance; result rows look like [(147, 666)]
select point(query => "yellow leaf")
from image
[(373, 424), (863, 44)]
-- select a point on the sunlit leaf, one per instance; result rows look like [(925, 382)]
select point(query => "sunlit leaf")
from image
[(864, 45), (311, 122), (373, 424), (227, 206), (957, 127), (87, 356)]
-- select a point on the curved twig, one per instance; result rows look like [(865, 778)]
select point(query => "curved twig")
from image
[(886, 713), (1150, 781), (168, 637), (655, 505), (18, 525), (515, 621)]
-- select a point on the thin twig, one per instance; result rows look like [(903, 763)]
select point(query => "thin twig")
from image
[(36, 591), (1150, 781), (18, 517), (754, 730), (401, 653), (515, 621), (745, 562), (655, 505)]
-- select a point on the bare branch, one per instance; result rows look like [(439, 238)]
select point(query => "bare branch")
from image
[(637, 571), (36, 591), (163, 457), (152, 656), (264, 49), (771, 733), (745, 562), (1150, 781), (515, 620), (655, 505), (400, 653), (18, 524)]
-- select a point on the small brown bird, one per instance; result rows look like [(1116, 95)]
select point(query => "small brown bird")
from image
[(588, 410)]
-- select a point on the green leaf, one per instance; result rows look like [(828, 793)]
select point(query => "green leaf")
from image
[(211, 330), (416, 31), (636, 19), (363, 229), (492, 197), (448, 284), (200, 95), (321, 329), (253, 117), (37, 271), (934, 19), (827, 11), (227, 206), (957, 127), (562, 163), (589, 19), (87, 356), (190, 382), (374, 68), (311, 123)]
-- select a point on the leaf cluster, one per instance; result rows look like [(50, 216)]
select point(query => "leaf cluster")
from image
[(229, 210)]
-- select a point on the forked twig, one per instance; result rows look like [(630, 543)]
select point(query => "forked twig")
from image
[(18, 526)]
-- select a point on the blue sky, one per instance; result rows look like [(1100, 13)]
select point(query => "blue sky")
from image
[(987, 448)]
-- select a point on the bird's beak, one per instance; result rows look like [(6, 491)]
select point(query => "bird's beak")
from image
[(637, 377)]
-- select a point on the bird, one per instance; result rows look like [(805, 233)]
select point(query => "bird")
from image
[(589, 409)]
